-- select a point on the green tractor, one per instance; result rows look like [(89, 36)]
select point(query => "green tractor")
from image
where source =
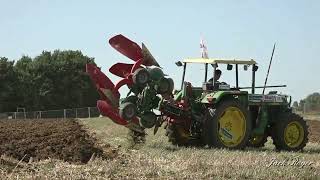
[(230, 117), (213, 114)]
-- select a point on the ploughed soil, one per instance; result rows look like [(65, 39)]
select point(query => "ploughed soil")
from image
[(49, 138), (314, 131), (66, 140)]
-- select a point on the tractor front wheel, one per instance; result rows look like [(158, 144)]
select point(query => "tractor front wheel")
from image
[(290, 133), (227, 126)]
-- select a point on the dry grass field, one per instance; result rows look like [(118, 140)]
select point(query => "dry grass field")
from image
[(157, 159)]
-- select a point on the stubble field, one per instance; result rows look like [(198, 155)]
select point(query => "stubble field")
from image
[(98, 149)]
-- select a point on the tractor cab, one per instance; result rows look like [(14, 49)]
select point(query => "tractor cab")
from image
[(212, 85), (213, 89)]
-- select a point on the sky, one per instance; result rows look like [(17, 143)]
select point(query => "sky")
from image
[(172, 30)]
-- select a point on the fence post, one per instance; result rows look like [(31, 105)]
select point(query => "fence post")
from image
[(40, 114), (15, 115), (76, 113), (64, 113), (89, 112)]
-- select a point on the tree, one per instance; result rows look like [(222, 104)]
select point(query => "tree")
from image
[(310, 103), (60, 80), (8, 81), (301, 105), (313, 101), (295, 105), (25, 84), (49, 81)]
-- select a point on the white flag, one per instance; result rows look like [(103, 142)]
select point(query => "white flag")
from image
[(204, 51)]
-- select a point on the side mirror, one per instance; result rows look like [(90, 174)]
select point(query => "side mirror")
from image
[(255, 68), (245, 67), (178, 63), (229, 67)]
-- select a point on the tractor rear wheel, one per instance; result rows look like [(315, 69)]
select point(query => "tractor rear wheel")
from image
[(290, 133), (227, 126)]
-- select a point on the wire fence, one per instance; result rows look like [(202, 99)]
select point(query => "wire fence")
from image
[(86, 112)]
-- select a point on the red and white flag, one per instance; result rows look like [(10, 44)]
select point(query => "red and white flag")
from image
[(204, 51)]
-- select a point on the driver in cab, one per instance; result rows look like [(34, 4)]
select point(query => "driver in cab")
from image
[(218, 84), (216, 76)]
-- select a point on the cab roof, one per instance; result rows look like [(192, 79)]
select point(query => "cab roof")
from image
[(219, 61)]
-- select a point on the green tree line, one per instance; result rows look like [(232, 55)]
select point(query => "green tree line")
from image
[(310, 103), (52, 80)]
